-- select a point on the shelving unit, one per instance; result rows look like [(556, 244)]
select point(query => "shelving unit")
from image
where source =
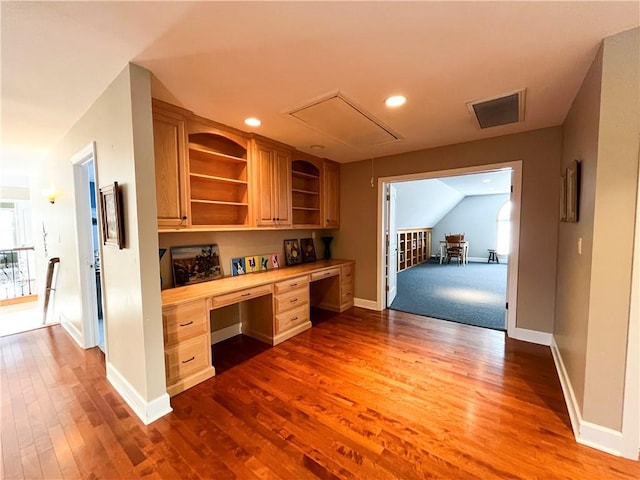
[(218, 187), (305, 193), (414, 247)]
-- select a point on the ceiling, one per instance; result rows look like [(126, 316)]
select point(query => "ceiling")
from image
[(484, 183), (231, 60)]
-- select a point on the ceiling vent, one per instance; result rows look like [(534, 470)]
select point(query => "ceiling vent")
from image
[(496, 111), (341, 118)]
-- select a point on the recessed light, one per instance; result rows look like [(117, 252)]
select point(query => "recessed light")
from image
[(253, 122), (395, 101), (316, 147)]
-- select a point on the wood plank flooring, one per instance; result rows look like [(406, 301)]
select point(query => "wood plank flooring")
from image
[(362, 395)]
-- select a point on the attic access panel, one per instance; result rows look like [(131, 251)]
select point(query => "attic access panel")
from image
[(339, 117), (502, 110)]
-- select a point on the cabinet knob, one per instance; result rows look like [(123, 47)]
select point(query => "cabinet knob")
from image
[(184, 217)]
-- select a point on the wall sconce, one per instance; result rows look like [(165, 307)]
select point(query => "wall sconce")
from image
[(50, 195)]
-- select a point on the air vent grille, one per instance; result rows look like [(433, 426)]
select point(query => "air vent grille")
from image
[(496, 111)]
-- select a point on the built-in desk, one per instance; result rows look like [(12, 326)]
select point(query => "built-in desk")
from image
[(271, 306)]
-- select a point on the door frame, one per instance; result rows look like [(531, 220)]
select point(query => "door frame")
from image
[(84, 235), (512, 264), (391, 242)]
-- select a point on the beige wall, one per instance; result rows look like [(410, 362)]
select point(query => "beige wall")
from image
[(594, 290), (580, 141), (120, 124), (540, 152)]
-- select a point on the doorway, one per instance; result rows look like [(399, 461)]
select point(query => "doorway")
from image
[(89, 247), (387, 251)]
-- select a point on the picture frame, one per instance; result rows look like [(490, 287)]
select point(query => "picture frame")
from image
[(292, 254), (238, 266), (573, 191), (563, 197), (195, 264), (275, 260), (308, 250), (252, 264), (111, 216)]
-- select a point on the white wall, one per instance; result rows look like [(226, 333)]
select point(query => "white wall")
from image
[(476, 217), (423, 203), (120, 124)]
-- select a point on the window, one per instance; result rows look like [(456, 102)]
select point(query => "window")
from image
[(504, 228)]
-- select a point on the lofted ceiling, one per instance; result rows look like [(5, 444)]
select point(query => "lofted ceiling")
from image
[(231, 60)]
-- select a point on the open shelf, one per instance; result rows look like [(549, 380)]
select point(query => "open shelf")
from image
[(305, 193)]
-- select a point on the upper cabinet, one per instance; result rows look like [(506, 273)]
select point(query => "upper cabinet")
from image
[(272, 184), (170, 163), (218, 177), (331, 194), (213, 177)]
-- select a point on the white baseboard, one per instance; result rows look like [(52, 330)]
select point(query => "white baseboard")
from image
[(586, 433), (147, 411), (368, 304), (531, 336), (226, 333), (72, 330)]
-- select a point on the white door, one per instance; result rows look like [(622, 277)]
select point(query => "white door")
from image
[(392, 249)]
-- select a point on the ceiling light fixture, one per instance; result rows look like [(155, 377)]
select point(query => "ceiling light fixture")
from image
[(253, 122), (395, 101)]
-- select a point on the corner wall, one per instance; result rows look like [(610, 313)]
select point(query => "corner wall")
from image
[(120, 124), (594, 290)]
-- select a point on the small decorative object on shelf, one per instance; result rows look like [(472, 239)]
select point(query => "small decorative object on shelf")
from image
[(327, 247), (238, 266), (251, 264), (194, 264), (308, 250), (292, 252)]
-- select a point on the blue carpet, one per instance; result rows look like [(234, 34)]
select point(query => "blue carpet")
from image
[(474, 294)]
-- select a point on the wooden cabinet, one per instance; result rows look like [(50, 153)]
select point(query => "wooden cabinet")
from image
[(218, 177), (331, 194), (291, 308), (187, 345), (305, 190), (414, 247), (170, 166), (347, 286), (271, 184)]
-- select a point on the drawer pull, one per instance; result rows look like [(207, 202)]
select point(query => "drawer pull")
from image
[(348, 293), (294, 319), (246, 295), (348, 275), (293, 285), (186, 324), (294, 300), (189, 360)]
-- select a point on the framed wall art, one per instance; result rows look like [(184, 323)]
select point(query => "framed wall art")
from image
[(308, 250), (194, 264), (292, 252), (111, 213), (573, 191)]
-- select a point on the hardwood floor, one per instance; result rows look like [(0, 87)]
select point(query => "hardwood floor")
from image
[(362, 395)]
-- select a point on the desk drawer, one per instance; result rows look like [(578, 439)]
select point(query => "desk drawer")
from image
[(291, 299), (330, 272), (187, 358), (240, 296), (291, 284), (292, 318), (184, 321), (347, 273)]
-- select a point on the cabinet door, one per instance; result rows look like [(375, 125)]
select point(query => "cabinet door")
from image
[(168, 142), (272, 183), (331, 194)]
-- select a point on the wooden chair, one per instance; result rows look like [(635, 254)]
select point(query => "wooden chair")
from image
[(455, 247)]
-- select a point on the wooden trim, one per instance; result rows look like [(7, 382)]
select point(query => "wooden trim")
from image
[(18, 300)]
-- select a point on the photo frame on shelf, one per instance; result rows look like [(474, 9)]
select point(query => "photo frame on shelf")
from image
[(111, 216), (292, 255), (573, 191), (308, 250), (238, 266), (252, 264), (265, 263), (195, 264), (275, 260)]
